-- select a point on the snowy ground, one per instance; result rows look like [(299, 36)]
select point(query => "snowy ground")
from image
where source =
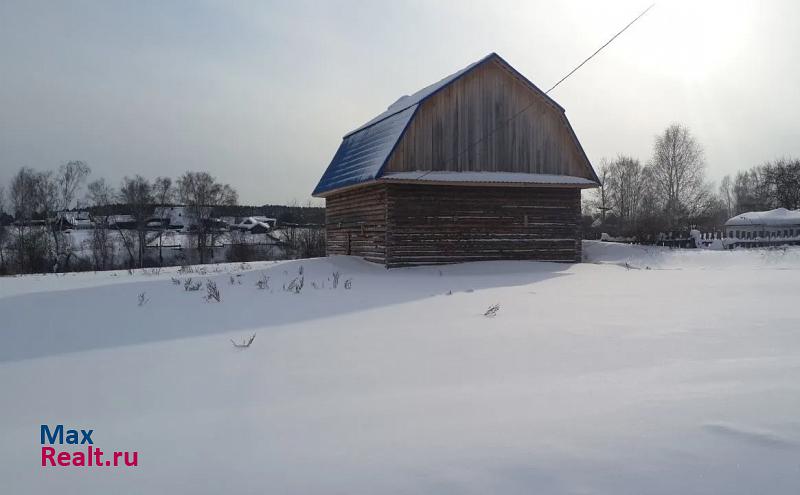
[(603, 377)]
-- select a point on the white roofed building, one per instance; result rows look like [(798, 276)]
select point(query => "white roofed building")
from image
[(764, 227)]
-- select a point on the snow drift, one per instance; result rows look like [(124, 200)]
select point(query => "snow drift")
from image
[(592, 378)]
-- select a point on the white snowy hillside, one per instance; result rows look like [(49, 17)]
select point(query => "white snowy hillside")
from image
[(641, 371)]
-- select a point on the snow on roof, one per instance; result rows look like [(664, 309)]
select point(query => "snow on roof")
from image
[(249, 223), (407, 101), (121, 218), (779, 216), (263, 219), (499, 177)]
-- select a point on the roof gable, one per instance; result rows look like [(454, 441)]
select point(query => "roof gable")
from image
[(365, 151)]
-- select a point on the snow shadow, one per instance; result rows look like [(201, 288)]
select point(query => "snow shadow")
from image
[(56, 322)]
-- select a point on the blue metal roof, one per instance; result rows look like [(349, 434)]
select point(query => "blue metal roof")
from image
[(362, 154), (365, 150)]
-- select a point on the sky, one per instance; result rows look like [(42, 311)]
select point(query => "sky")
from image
[(261, 93)]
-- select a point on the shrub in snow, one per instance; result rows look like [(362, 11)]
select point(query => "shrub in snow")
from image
[(348, 284), (245, 343), (263, 282), (296, 285), (143, 299), (175, 281), (190, 286), (492, 311), (212, 292)]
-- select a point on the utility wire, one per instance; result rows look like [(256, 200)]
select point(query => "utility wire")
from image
[(598, 50), (505, 123)]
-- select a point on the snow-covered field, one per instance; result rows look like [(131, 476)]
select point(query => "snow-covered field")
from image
[(642, 371)]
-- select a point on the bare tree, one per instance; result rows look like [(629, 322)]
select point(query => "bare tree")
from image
[(311, 242), (163, 191), (70, 177), (599, 199), (137, 195), (623, 186), (100, 196), (727, 195), (3, 230), (56, 193), (783, 180), (47, 205), (201, 193), (29, 244), (163, 194), (751, 191), (678, 169)]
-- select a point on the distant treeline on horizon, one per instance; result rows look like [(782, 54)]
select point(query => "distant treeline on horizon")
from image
[(284, 214)]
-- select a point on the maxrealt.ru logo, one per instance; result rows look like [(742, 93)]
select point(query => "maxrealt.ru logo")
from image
[(91, 456)]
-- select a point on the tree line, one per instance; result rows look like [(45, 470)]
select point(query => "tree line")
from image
[(670, 192), (34, 240)]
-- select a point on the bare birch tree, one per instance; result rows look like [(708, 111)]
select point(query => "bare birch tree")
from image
[(678, 169), (163, 194), (727, 196), (201, 193), (29, 250), (100, 196), (624, 188), (70, 177), (137, 195)]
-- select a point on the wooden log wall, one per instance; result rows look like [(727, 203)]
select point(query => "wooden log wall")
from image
[(355, 223), (431, 224)]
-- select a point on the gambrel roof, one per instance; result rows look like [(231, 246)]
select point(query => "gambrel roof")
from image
[(364, 152)]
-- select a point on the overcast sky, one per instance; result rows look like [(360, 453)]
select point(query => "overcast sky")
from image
[(260, 93)]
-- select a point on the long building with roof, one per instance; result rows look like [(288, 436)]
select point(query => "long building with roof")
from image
[(756, 228)]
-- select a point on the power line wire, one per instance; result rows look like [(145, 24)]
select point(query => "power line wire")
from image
[(598, 50), (505, 123)]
